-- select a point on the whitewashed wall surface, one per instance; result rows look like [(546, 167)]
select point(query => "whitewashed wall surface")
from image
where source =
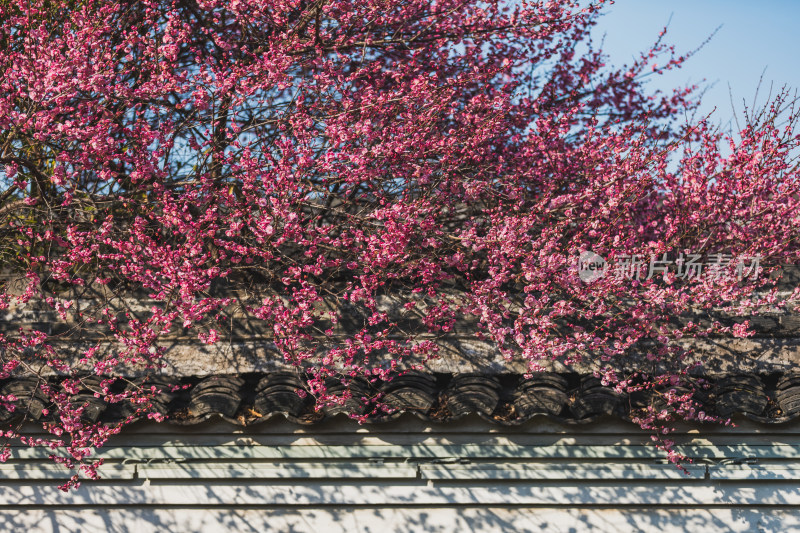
[(412, 476)]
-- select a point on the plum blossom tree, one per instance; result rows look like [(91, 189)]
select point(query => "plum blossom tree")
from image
[(289, 162)]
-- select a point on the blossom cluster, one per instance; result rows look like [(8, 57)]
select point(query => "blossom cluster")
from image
[(294, 163)]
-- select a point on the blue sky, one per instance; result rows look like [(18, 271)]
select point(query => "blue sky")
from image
[(754, 35)]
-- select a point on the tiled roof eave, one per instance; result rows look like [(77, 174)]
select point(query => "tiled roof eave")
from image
[(504, 399)]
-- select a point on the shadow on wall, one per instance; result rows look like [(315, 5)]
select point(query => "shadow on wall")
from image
[(363, 520), (403, 505)]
